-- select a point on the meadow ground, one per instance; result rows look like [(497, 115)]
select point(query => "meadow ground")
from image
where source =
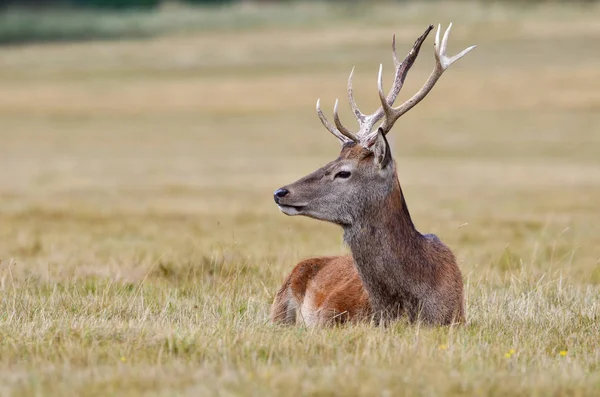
[(141, 248)]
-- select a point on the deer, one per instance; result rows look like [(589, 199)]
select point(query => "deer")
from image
[(393, 271)]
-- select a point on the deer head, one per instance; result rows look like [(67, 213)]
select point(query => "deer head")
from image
[(364, 173)]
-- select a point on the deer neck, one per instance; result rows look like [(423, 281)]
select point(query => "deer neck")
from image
[(385, 246)]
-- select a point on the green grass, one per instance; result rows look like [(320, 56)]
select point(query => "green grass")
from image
[(141, 248), (24, 25)]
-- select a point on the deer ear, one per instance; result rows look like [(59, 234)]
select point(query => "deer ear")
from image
[(380, 148)]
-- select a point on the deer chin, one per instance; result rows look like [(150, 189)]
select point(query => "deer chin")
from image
[(291, 210)]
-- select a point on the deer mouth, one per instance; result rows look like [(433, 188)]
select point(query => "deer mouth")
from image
[(291, 209)]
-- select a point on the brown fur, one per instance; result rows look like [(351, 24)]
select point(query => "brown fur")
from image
[(335, 290), (404, 271), (394, 270)]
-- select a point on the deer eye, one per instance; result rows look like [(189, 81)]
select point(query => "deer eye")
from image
[(342, 174)]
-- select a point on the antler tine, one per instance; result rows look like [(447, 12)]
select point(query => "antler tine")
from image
[(338, 123), (387, 108), (329, 126), (402, 70), (366, 122), (359, 115), (394, 54), (442, 62)]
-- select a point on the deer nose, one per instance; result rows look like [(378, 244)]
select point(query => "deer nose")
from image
[(280, 193)]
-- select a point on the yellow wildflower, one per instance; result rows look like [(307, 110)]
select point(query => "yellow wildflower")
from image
[(510, 353), (563, 353)]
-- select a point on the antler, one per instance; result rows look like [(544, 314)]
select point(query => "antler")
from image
[(442, 62), (366, 122)]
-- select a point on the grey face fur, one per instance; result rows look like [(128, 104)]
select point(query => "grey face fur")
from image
[(344, 189)]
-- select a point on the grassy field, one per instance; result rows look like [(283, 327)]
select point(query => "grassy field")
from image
[(141, 248)]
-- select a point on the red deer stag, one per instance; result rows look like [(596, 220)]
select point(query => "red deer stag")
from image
[(394, 269)]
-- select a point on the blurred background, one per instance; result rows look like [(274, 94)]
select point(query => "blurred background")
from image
[(141, 142)]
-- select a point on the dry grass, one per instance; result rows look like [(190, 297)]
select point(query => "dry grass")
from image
[(141, 249)]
